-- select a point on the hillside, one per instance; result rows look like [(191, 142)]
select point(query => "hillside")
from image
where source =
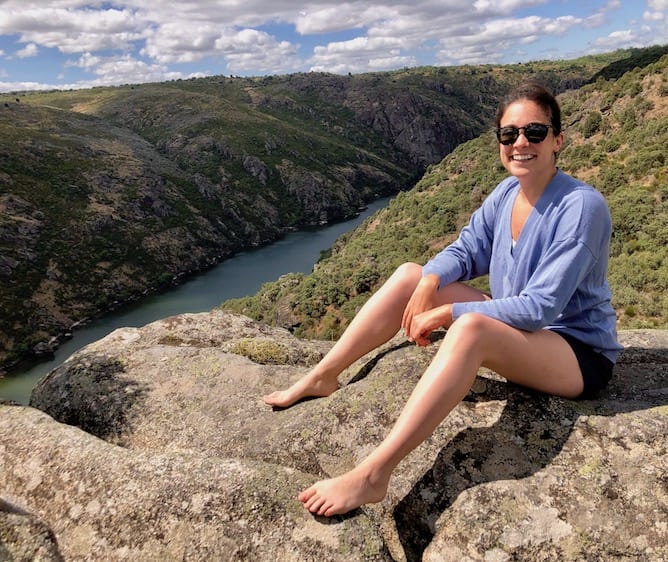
[(111, 193), (617, 133)]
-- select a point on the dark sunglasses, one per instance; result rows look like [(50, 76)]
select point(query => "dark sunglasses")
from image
[(534, 133)]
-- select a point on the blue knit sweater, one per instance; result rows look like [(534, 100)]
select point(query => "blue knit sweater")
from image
[(555, 275)]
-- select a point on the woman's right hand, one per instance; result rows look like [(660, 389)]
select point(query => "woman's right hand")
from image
[(421, 300)]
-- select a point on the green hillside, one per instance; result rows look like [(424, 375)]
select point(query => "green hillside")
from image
[(617, 134), (109, 194)]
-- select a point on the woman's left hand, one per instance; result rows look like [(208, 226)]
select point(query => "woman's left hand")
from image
[(426, 322)]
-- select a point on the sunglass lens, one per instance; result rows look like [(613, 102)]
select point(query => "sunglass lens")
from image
[(507, 135), (536, 133)]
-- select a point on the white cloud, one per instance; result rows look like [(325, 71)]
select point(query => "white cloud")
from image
[(122, 69), (244, 49), (180, 43), (359, 45), (72, 30), (155, 40), (30, 50), (338, 17), (487, 42), (504, 7), (618, 40), (658, 5), (654, 16), (370, 53), (125, 69), (248, 49), (86, 61)]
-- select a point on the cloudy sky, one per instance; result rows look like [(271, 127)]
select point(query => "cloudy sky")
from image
[(76, 43)]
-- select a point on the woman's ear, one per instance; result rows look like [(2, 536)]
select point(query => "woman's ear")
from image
[(558, 144), (559, 140)]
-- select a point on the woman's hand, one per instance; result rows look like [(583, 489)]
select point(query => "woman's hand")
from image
[(426, 322), (421, 300)]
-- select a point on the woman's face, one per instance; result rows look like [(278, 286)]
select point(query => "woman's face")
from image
[(523, 158)]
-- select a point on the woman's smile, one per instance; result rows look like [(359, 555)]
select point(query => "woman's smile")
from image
[(522, 157)]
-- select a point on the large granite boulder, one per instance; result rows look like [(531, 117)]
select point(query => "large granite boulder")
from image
[(154, 443)]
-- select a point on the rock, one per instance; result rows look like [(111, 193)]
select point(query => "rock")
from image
[(29, 538), (321, 199), (154, 442), (256, 167)]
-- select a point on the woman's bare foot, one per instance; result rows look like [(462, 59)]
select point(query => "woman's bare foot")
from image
[(344, 493), (309, 385)]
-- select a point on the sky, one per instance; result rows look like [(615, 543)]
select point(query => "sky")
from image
[(71, 44)]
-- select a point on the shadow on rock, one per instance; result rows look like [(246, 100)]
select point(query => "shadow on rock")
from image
[(92, 395), (529, 434), (25, 537), (371, 363)]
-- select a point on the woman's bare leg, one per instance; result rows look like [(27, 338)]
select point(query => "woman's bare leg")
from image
[(376, 323), (541, 360)]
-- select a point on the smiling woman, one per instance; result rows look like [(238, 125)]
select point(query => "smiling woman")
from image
[(548, 324), (530, 137), (78, 44)]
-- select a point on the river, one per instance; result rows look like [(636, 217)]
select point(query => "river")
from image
[(239, 276)]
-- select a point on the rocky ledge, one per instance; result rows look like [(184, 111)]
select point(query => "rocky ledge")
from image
[(154, 444)]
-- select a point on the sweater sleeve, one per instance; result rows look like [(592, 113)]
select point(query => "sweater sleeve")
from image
[(546, 295), (581, 233), (469, 256)]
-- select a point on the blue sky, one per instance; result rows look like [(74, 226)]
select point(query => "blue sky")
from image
[(81, 44)]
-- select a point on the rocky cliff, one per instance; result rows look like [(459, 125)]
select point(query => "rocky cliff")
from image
[(153, 444), (93, 214)]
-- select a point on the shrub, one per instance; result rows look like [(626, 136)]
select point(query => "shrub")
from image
[(592, 124), (264, 352)]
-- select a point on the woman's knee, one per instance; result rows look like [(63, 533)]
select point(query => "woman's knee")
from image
[(409, 274), (472, 329), (409, 269), (469, 336), (473, 322)]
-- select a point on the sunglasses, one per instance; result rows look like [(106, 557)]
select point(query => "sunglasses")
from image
[(533, 132)]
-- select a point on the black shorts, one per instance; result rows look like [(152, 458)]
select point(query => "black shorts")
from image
[(596, 368)]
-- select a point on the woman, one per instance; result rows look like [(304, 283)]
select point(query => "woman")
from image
[(549, 325)]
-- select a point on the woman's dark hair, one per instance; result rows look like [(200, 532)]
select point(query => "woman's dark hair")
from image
[(538, 94)]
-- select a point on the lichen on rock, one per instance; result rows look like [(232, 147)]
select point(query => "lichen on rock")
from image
[(154, 442)]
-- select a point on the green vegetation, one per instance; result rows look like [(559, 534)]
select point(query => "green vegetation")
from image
[(626, 163), (110, 193), (264, 352)]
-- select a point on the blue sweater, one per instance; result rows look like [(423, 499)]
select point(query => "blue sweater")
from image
[(554, 277)]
